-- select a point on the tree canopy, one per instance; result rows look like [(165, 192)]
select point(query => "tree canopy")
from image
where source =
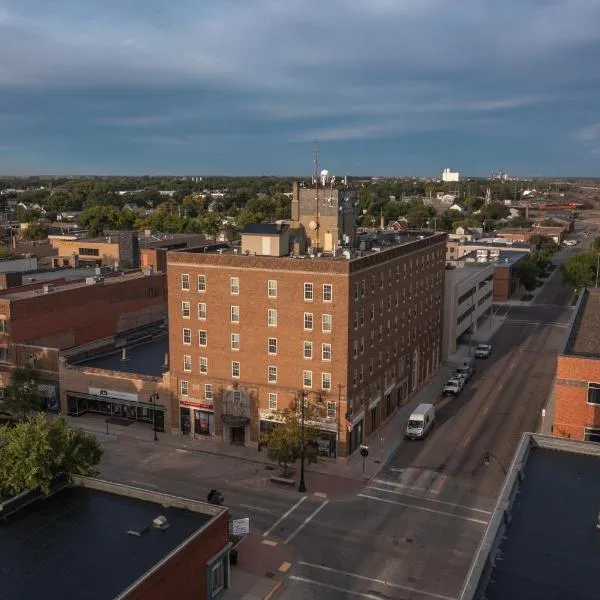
[(581, 269), (527, 272), (33, 452), (22, 395)]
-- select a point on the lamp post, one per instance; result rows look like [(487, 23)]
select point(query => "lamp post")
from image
[(153, 398), (488, 459), (303, 396)]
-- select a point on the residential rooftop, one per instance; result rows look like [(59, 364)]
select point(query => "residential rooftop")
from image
[(107, 279), (542, 541), (75, 544), (583, 337), (143, 359)]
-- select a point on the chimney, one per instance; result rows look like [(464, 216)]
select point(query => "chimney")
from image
[(382, 222)]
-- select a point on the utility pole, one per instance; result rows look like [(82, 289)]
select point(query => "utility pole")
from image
[(302, 486)]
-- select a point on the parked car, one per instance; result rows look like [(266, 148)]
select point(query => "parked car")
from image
[(453, 387), (483, 351), (465, 371)]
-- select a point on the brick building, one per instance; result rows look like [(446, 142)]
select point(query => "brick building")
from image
[(577, 387), (248, 330)]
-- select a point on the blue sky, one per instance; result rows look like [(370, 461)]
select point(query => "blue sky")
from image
[(387, 87)]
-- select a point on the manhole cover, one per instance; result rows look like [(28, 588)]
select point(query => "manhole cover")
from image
[(270, 575)]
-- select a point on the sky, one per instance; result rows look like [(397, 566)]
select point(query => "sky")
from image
[(245, 87)]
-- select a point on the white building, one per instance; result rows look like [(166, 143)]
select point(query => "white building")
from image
[(468, 301), (450, 176)]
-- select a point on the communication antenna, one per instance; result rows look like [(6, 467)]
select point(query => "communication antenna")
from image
[(316, 178)]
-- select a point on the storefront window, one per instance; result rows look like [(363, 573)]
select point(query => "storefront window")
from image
[(184, 417)]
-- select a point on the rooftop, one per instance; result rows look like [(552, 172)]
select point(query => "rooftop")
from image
[(143, 359), (542, 540), (583, 337), (466, 270), (504, 258), (75, 544), (108, 280), (500, 242)]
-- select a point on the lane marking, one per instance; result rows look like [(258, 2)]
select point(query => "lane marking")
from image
[(479, 510), (431, 510), (397, 586), (306, 521), (396, 470), (320, 494), (270, 542), (467, 440), (392, 451), (284, 516), (284, 567), (258, 508), (487, 408), (145, 483)]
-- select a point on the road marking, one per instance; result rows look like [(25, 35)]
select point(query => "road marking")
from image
[(285, 567), (306, 521), (405, 486), (480, 510), (487, 408), (284, 516), (467, 440), (397, 586), (431, 510), (258, 508), (437, 488), (320, 495), (145, 483), (270, 542), (396, 470)]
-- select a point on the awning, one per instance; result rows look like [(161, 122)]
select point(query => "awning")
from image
[(235, 421), (85, 396)]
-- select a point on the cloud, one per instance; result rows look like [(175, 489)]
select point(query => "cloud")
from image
[(591, 133)]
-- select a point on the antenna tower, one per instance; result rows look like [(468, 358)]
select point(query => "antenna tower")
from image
[(316, 177)]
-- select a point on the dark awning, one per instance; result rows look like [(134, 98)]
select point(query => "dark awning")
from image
[(235, 421)]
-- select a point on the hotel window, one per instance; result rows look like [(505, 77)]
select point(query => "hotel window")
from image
[(272, 288), (308, 321), (201, 283), (235, 369), (362, 317), (234, 285), (187, 362), (208, 391), (326, 323), (355, 347), (307, 379), (326, 382), (187, 336), (326, 352), (308, 291), (381, 280), (362, 344), (235, 341), (272, 375), (272, 346), (592, 434), (327, 292), (362, 288), (307, 350), (354, 377), (372, 312), (372, 338), (272, 317), (202, 339), (186, 311), (183, 388), (235, 314), (356, 290), (185, 281), (203, 364), (593, 395), (356, 320), (202, 310), (272, 401), (361, 375), (331, 409), (397, 272), (381, 307)]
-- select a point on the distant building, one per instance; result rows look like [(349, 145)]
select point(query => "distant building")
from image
[(158, 546), (449, 176), (458, 246), (524, 235)]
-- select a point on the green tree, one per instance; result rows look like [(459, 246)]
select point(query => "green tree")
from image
[(36, 450), (580, 269), (596, 244), (35, 232), (527, 272), (22, 395), (544, 243), (284, 442)]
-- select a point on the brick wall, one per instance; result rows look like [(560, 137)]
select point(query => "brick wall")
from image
[(183, 576), (572, 413)]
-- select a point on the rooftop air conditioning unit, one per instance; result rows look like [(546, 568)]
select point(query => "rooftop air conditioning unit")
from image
[(160, 523)]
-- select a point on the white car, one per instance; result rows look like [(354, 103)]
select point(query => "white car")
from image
[(453, 387), (483, 351)]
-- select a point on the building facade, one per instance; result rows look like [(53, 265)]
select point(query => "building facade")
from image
[(577, 385), (468, 302), (357, 332)]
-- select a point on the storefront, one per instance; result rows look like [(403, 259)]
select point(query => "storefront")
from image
[(117, 405), (197, 417), (355, 428)]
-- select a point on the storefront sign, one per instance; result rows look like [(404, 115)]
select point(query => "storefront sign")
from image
[(199, 404), (112, 394)]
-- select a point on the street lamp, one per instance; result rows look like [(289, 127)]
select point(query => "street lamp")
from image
[(153, 399), (487, 460), (303, 395)]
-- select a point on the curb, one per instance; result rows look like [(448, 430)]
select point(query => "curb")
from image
[(273, 590)]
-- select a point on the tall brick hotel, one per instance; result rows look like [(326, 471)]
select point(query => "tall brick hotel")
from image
[(351, 317)]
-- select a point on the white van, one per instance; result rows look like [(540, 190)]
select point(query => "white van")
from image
[(420, 422)]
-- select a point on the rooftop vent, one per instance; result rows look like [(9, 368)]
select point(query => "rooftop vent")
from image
[(137, 532), (161, 523)]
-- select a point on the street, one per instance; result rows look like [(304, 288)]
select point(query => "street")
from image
[(412, 530)]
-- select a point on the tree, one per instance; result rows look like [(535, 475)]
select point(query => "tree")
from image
[(35, 232), (580, 270), (36, 450), (596, 244), (527, 273), (22, 395), (284, 442), (544, 243)]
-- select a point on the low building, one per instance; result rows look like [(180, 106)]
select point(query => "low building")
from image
[(525, 235), (95, 539), (458, 246), (468, 301), (154, 247), (449, 176), (577, 384), (542, 536)]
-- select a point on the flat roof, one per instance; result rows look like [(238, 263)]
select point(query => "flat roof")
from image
[(504, 258), (542, 540), (467, 270), (499, 242), (583, 337), (144, 359), (108, 280), (75, 544)]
